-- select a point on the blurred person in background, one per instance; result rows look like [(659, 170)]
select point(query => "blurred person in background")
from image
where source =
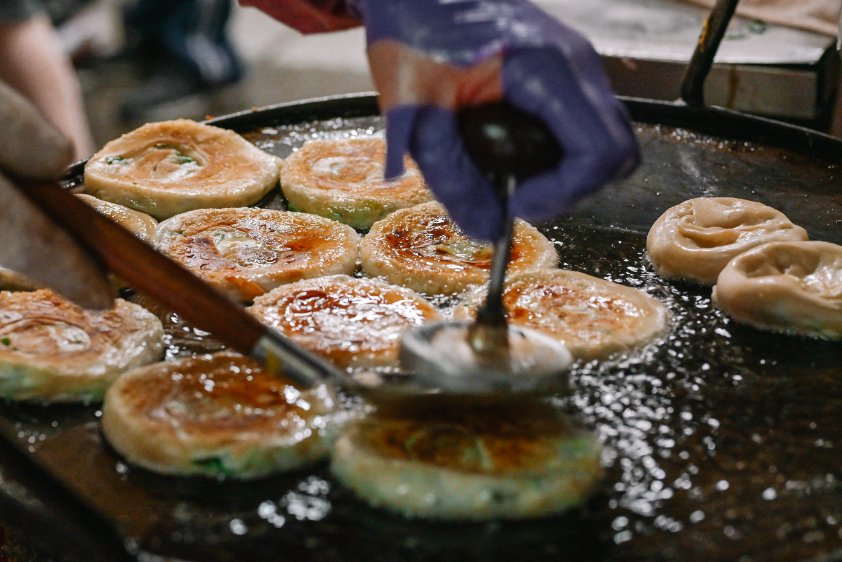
[(184, 53), (33, 62)]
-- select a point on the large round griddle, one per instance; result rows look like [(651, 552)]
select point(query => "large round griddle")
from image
[(722, 441)]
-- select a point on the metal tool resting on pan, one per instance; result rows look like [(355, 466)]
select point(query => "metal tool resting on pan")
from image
[(174, 286), (488, 357)]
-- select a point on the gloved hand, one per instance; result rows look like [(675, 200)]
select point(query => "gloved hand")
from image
[(429, 58), (32, 149)]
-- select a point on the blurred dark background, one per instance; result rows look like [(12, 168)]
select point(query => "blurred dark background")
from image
[(784, 73)]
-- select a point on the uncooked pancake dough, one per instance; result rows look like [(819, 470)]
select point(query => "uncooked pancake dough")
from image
[(342, 179), (246, 252), (465, 464), (423, 249), (351, 322), (793, 287), (216, 415), (54, 351), (170, 167), (695, 239), (593, 317)]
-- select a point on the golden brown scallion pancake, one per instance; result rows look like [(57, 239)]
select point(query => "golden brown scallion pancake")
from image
[(695, 239), (342, 179), (467, 464), (423, 249), (351, 322), (593, 317), (246, 252), (140, 224), (170, 167), (53, 350), (793, 287), (216, 415)]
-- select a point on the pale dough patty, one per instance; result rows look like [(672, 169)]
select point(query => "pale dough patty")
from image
[(423, 249), (593, 317), (170, 167), (695, 239), (140, 224), (215, 415), (467, 464), (793, 287), (351, 322), (246, 252), (342, 179), (53, 350)]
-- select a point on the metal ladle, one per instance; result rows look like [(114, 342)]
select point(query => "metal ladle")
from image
[(488, 357)]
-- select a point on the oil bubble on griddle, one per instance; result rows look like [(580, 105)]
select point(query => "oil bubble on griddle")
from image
[(283, 141)]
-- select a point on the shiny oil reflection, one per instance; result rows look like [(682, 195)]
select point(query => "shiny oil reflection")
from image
[(720, 441)]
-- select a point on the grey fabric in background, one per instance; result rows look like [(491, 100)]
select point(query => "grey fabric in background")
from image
[(12, 11)]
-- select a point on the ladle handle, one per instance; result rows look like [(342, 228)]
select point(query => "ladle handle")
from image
[(504, 141), (507, 145)]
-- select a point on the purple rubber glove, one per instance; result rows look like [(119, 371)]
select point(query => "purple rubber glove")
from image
[(429, 58)]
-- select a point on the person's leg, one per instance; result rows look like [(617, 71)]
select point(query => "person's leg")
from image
[(33, 63), (197, 34), (188, 48)]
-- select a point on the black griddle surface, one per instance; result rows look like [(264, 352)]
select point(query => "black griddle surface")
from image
[(722, 442)]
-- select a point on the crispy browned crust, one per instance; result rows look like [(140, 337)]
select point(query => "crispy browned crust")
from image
[(217, 415), (470, 464), (351, 322), (53, 350), (342, 179), (511, 441), (247, 251), (593, 317), (423, 249), (170, 167)]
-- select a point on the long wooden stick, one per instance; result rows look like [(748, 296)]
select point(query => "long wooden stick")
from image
[(176, 287)]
